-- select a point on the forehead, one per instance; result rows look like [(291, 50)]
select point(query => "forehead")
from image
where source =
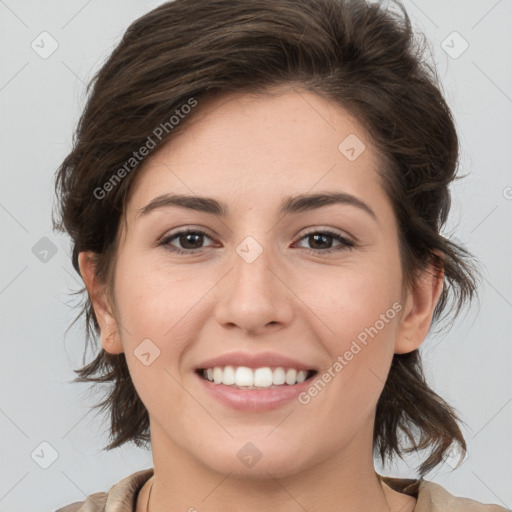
[(252, 150)]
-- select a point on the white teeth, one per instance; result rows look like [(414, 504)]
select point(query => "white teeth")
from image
[(278, 377), (217, 375), (243, 376), (291, 376), (265, 377), (301, 376), (229, 376)]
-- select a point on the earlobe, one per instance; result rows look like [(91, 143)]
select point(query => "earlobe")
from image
[(419, 309), (109, 331)]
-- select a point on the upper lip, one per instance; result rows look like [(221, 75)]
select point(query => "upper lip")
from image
[(259, 360)]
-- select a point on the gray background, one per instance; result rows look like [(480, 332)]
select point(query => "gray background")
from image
[(41, 99)]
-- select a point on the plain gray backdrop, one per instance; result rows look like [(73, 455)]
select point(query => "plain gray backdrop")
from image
[(51, 445)]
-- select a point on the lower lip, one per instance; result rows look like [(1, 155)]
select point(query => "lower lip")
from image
[(254, 399)]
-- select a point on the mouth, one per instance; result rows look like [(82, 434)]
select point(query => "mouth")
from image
[(243, 377)]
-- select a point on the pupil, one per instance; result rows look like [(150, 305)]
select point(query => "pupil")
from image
[(316, 237), (187, 236)]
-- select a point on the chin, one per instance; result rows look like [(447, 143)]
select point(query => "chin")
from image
[(255, 461)]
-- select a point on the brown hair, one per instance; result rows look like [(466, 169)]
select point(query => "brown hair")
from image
[(357, 54)]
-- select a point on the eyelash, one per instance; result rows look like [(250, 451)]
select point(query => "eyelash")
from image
[(345, 243)]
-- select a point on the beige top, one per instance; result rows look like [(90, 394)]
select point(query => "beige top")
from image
[(431, 497)]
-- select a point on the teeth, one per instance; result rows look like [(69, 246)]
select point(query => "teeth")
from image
[(278, 377), (243, 376), (265, 377), (291, 376), (301, 376), (229, 376)]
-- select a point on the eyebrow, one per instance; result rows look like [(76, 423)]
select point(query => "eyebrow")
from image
[(295, 204)]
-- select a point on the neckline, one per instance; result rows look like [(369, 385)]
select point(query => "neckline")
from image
[(407, 486)]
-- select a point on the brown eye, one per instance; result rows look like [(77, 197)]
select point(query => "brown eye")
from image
[(321, 242), (189, 241)]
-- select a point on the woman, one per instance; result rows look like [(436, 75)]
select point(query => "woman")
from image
[(255, 197)]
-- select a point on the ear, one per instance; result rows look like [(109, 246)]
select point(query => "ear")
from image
[(420, 303), (110, 339)]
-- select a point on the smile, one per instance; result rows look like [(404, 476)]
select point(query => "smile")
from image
[(255, 378)]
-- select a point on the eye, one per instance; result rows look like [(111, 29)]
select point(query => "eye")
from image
[(320, 239), (189, 239)]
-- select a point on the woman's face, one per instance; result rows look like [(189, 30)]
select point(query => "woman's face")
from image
[(268, 278)]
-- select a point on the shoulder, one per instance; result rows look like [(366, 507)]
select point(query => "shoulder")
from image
[(433, 497), (121, 496), (94, 503)]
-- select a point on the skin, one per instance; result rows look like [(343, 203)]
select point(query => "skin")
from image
[(250, 152)]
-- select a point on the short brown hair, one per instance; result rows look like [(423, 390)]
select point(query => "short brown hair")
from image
[(357, 54)]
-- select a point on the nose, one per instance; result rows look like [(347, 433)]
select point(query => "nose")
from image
[(255, 296)]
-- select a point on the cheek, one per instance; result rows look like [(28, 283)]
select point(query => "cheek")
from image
[(154, 309), (359, 297), (155, 302), (361, 309), (162, 311)]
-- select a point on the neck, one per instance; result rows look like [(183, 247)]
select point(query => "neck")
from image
[(345, 480)]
